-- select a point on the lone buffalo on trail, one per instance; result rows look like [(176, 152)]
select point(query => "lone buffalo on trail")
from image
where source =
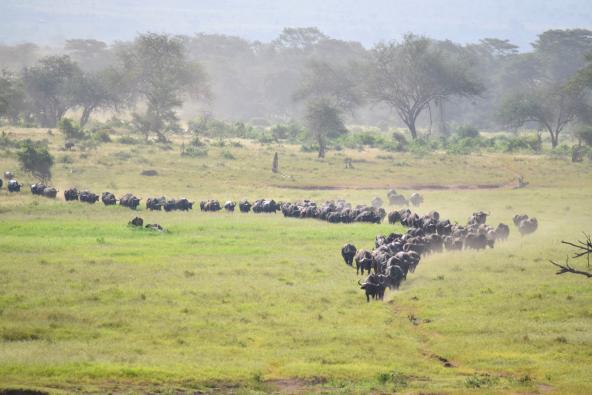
[(244, 206), (348, 252), (108, 199), (71, 194), (229, 206), (13, 186), (130, 201), (89, 197)]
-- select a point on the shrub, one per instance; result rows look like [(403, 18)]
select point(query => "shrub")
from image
[(66, 159), (128, 140), (36, 159), (227, 155), (70, 129), (102, 136), (195, 152), (400, 142), (467, 131), (196, 142), (585, 135)]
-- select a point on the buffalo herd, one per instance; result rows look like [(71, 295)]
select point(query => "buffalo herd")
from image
[(387, 265), (338, 211), (395, 255)]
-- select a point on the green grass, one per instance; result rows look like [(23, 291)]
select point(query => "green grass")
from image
[(234, 302)]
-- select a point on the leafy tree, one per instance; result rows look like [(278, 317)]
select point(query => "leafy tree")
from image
[(551, 108), (410, 75), (49, 88), (161, 76), (36, 159), (12, 97), (98, 90), (543, 89), (301, 38), (323, 119), (331, 82), (91, 55)]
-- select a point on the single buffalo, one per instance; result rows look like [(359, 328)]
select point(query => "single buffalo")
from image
[(13, 186), (108, 199), (348, 252), (71, 194)]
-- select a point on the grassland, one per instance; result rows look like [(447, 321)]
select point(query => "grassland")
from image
[(259, 303)]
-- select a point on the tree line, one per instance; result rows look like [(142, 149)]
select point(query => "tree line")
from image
[(416, 82)]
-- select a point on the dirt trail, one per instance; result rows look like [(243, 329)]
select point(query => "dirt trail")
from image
[(418, 187)]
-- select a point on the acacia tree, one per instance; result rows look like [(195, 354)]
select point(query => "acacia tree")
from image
[(323, 120), (545, 92), (98, 90), (12, 97), (410, 75), (161, 76), (49, 88), (552, 108)]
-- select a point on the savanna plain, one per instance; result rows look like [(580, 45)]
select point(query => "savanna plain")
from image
[(257, 303)]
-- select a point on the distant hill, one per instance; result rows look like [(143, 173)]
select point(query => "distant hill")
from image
[(50, 22)]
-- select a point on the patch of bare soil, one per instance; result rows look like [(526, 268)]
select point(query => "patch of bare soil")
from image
[(20, 391)]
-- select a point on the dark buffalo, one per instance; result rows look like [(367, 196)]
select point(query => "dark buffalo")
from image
[(130, 201), (156, 203), (13, 186), (89, 197), (108, 199), (137, 221), (71, 194), (244, 206), (229, 206), (49, 192), (502, 232), (348, 252), (37, 188)]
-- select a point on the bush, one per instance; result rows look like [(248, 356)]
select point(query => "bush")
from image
[(36, 159), (585, 135), (467, 131), (66, 159), (128, 140), (6, 142), (290, 131), (196, 142), (102, 136), (227, 155), (71, 130), (517, 143), (195, 152)]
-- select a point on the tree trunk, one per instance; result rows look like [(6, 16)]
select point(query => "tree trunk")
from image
[(85, 115), (554, 138), (412, 129), (442, 127)]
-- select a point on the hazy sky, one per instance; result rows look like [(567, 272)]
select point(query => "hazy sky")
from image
[(368, 21)]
